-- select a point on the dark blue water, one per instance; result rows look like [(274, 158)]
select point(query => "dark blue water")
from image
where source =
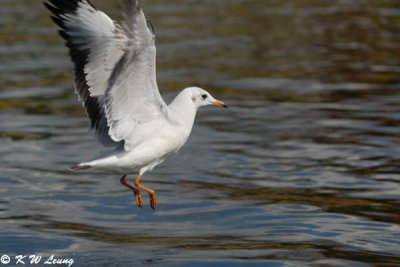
[(301, 170)]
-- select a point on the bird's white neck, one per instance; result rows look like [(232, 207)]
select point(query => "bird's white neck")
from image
[(184, 108)]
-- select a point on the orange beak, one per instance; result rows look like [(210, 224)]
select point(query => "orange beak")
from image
[(219, 104)]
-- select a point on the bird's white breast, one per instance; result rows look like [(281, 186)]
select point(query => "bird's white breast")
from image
[(156, 149)]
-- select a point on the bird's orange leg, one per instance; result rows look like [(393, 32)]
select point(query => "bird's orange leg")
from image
[(134, 190), (151, 192)]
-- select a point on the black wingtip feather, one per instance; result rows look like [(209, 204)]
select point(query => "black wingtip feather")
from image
[(79, 56), (58, 21), (52, 9), (66, 6)]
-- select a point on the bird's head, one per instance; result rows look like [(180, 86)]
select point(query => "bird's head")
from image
[(201, 97)]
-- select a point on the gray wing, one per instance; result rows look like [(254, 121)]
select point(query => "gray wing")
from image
[(133, 105), (96, 44)]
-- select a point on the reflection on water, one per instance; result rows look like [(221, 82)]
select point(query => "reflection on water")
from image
[(302, 169)]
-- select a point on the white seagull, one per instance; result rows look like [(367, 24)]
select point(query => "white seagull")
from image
[(115, 78)]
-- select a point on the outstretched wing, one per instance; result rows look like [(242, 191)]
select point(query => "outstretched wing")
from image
[(96, 44), (134, 107)]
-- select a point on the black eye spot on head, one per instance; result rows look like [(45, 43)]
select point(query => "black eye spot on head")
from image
[(204, 96)]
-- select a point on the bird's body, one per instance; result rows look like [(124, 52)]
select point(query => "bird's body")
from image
[(115, 78), (163, 140)]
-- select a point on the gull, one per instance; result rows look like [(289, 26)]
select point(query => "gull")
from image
[(115, 78)]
